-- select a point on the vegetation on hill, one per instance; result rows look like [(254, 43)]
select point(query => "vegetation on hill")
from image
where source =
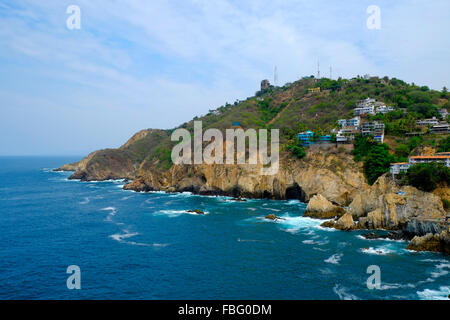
[(375, 156), (427, 176), (292, 108)]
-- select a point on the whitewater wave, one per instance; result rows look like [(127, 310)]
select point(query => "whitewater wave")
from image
[(334, 259), (343, 293), (441, 270), (112, 213), (320, 243), (122, 238), (295, 224), (429, 294), (85, 201), (377, 251), (177, 213), (380, 239)]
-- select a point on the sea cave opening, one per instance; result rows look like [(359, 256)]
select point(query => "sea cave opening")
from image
[(295, 192)]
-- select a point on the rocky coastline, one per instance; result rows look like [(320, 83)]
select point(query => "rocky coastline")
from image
[(332, 185)]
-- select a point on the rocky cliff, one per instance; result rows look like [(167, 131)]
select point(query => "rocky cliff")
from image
[(318, 173)]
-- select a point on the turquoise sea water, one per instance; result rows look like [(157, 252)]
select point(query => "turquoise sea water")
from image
[(146, 246)]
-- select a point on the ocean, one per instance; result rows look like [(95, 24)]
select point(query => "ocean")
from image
[(132, 245)]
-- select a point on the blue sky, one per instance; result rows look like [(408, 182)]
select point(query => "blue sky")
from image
[(156, 64)]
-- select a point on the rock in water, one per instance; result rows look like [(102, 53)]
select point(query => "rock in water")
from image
[(328, 224), (320, 208), (432, 242), (345, 222), (429, 242), (273, 217), (196, 211)]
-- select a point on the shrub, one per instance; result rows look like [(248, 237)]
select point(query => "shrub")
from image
[(298, 151), (446, 203)]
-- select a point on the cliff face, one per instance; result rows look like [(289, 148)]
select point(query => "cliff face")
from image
[(296, 179), (380, 206)]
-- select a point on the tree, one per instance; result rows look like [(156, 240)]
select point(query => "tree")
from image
[(377, 162), (402, 151), (444, 145)]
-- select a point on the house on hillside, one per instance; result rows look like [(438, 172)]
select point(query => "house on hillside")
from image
[(383, 109), (441, 128), (314, 90), (427, 159), (306, 138), (427, 122), (443, 112), (354, 122), (398, 167)]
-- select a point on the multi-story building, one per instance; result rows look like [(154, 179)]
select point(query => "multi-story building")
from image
[(443, 157), (346, 134), (428, 122), (354, 122), (398, 167), (306, 138), (440, 128), (427, 159), (374, 128), (364, 110)]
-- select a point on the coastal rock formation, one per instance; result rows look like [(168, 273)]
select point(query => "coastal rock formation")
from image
[(380, 206), (295, 179), (320, 208), (432, 242), (345, 222)]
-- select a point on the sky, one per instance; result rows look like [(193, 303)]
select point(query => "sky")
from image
[(158, 63)]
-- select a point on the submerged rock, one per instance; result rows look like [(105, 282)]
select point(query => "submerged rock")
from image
[(196, 211), (273, 217), (239, 199)]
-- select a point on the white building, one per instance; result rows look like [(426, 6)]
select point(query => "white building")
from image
[(428, 122), (379, 138), (396, 168), (443, 112), (384, 109), (364, 110), (346, 134), (354, 122), (427, 159), (374, 128), (442, 127)]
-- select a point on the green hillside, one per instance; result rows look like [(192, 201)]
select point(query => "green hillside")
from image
[(293, 108)]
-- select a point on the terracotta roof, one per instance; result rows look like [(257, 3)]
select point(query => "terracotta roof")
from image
[(399, 163), (430, 157)]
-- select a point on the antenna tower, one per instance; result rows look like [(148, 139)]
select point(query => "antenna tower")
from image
[(275, 76), (318, 69)]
